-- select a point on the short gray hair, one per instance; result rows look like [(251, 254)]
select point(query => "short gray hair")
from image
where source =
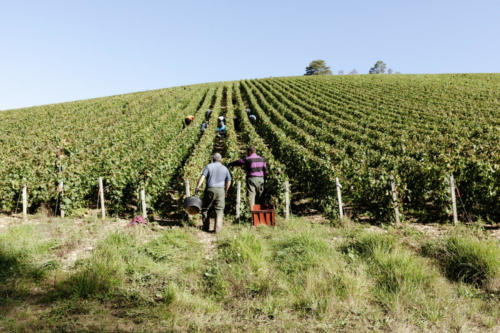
[(216, 157)]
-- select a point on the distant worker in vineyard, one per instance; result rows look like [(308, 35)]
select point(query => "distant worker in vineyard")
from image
[(221, 130), (256, 170), (253, 119), (237, 124), (203, 127), (221, 126), (188, 120), (218, 183), (207, 114)]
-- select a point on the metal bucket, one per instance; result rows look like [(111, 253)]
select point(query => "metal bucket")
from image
[(193, 205)]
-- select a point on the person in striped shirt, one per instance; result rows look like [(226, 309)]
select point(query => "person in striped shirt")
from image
[(256, 171)]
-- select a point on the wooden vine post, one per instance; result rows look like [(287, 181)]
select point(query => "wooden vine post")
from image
[(187, 188), (101, 198), (287, 200), (339, 198), (188, 194), (143, 203), (238, 200), (453, 199), (395, 200), (61, 191), (25, 202)]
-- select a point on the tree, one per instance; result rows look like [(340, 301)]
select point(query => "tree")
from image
[(318, 67), (341, 72), (353, 72), (379, 68), (389, 71)]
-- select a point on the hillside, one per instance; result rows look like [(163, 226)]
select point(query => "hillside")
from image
[(313, 272), (361, 129)]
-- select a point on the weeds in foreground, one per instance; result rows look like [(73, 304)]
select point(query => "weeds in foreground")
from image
[(295, 277), (465, 258)]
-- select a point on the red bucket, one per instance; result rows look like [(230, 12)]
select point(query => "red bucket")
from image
[(263, 214)]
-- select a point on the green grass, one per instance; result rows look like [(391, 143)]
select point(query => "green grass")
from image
[(24, 262), (468, 259), (403, 281), (21, 254), (295, 277), (102, 273)]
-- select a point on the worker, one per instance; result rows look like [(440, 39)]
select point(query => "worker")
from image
[(253, 118), (222, 119), (218, 183), (221, 130), (256, 170), (248, 111), (188, 120), (207, 114), (237, 125), (203, 127)]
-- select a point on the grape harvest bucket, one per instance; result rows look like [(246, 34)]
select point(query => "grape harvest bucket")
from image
[(263, 214)]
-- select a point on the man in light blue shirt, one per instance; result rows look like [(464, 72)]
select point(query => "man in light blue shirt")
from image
[(218, 183)]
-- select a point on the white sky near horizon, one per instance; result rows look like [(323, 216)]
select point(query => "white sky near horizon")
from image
[(55, 51)]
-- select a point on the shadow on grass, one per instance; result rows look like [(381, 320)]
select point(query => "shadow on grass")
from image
[(19, 267), (19, 280), (464, 258)]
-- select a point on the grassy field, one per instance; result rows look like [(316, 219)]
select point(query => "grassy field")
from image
[(91, 275)]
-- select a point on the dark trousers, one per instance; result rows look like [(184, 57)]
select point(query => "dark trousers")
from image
[(255, 188), (214, 197)]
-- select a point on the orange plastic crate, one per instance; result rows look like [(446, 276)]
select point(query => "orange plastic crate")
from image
[(263, 214)]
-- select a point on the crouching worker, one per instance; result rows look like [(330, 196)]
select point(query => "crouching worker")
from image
[(218, 183), (188, 120), (221, 130), (253, 119), (256, 170)]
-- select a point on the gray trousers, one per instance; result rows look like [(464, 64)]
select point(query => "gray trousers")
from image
[(255, 187), (214, 197)]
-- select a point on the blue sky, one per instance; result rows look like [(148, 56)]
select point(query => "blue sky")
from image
[(55, 51)]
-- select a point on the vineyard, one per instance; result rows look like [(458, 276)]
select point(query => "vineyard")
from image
[(385, 142), (420, 129)]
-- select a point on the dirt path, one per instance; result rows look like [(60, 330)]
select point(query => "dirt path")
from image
[(219, 146), (431, 231), (7, 221), (316, 218), (495, 233), (208, 241)]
